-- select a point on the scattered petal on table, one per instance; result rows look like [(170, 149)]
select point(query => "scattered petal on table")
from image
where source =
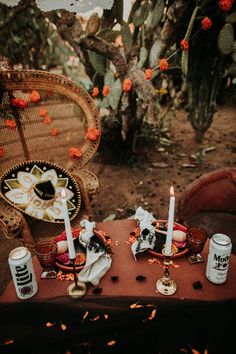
[(111, 343), (8, 341), (96, 318), (136, 305), (106, 316), (153, 314), (49, 324), (85, 315), (63, 327)]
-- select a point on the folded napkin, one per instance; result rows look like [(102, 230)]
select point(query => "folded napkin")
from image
[(147, 236), (97, 260)]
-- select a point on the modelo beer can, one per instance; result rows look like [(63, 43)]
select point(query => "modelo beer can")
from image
[(20, 262), (218, 258)]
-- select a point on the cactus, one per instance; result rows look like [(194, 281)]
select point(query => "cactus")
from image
[(205, 64)]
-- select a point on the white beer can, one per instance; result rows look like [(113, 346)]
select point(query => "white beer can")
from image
[(218, 258), (22, 271)]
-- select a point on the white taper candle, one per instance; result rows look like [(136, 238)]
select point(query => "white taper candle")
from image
[(170, 222), (69, 237)]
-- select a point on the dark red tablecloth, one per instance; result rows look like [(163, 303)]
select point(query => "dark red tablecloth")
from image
[(189, 318)]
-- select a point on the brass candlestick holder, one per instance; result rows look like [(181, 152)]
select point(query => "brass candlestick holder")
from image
[(165, 285), (77, 289)]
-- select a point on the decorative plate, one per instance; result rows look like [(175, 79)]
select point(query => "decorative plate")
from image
[(63, 261), (156, 251), (34, 188)]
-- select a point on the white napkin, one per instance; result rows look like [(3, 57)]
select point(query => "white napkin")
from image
[(147, 236), (97, 263)]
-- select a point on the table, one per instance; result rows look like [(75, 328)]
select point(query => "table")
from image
[(188, 318)]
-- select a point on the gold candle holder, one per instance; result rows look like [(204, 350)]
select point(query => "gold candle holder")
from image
[(77, 289), (165, 285)]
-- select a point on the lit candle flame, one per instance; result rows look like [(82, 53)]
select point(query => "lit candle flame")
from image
[(172, 193)]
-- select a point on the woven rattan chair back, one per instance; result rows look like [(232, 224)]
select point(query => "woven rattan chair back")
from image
[(45, 126)]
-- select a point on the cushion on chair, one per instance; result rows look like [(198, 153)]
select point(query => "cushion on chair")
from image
[(210, 202)]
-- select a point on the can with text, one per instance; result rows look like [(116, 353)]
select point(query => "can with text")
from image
[(218, 258), (22, 271)]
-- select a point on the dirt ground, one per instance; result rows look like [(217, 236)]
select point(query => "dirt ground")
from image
[(123, 188)]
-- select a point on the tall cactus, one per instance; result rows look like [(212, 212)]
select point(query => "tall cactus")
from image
[(204, 65)]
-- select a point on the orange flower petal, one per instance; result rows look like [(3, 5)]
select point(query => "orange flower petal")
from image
[(8, 341), (111, 343), (95, 92), (163, 64), (42, 112), (49, 324), (63, 327), (47, 120), (153, 314), (95, 318), (75, 152), (35, 96), (54, 132), (85, 315)]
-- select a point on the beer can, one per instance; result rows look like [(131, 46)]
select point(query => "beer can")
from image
[(22, 271), (218, 258)]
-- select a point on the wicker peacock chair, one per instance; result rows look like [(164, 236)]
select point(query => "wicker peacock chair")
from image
[(45, 120)]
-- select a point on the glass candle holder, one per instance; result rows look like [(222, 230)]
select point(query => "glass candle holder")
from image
[(46, 252), (195, 242)]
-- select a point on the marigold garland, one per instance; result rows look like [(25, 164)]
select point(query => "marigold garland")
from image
[(206, 23), (92, 134), (225, 5), (184, 44), (75, 152), (95, 92), (163, 64), (54, 131), (19, 102), (148, 74), (105, 90), (42, 112), (35, 96), (10, 123), (127, 85), (47, 120)]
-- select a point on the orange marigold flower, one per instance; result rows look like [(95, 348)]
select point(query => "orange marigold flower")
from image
[(206, 23), (42, 112), (127, 85), (75, 152), (163, 64), (8, 341), (95, 92), (225, 5), (20, 103), (47, 120), (10, 123), (184, 44), (35, 96), (54, 131), (92, 134), (148, 74), (105, 90), (1, 151)]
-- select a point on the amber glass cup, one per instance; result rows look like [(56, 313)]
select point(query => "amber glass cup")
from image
[(46, 252), (195, 242)]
